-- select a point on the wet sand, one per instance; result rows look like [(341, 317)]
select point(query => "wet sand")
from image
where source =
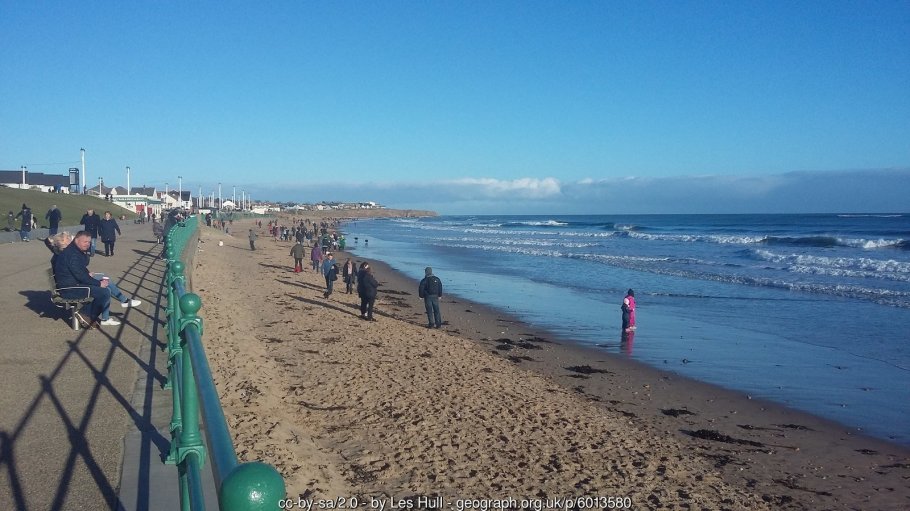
[(488, 408)]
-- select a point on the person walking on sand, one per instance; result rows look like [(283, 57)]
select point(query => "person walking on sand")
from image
[(349, 274), (366, 287), (109, 231), (430, 289), (25, 228), (297, 252), (328, 263), (628, 312), (330, 277), (252, 240), (91, 223), (53, 217)]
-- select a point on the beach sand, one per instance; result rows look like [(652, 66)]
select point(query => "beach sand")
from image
[(487, 408)]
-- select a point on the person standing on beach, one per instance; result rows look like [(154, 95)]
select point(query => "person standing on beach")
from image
[(25, 227), (53, 218), (252, 240), (366, 287), (109, 231), (297, 254), (349, 274), (430, 289), (316, 257), (91, 223), (628, 311)]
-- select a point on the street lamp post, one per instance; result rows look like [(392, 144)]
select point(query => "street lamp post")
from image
[(22, 168), (219, 195), (83, 183), (128, 187), (180, 191)]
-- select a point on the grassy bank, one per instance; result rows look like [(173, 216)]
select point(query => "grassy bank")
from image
[(72, 206)]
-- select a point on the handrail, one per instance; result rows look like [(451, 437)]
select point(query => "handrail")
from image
[(249, 486)]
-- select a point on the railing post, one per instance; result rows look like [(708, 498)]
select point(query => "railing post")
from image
[(189, 440), (174, 350)]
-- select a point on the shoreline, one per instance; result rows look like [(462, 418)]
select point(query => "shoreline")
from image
[(761, 448)]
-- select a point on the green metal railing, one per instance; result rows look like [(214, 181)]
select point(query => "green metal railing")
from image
[(249, 486)]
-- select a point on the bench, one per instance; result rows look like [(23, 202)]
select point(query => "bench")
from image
[(71, 305)]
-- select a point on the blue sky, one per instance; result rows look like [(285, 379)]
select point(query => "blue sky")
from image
[(471, 107)]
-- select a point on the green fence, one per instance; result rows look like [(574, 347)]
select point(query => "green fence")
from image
[(241, 487)]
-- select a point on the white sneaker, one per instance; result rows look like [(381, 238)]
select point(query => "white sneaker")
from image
[(110, 322), (131, 303)]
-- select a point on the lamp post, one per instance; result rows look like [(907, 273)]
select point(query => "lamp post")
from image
[(22, 168), (234, 196), (128, 188), (219, 196), (83, 183), (180, 191)]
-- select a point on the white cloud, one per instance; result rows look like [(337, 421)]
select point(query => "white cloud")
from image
[(523, 188)]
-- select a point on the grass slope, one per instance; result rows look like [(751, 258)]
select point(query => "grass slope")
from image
[(72, 206)]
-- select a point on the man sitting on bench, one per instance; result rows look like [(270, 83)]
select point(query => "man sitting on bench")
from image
[(71, 270)]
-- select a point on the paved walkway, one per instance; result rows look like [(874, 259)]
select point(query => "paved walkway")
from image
[(76, 407)]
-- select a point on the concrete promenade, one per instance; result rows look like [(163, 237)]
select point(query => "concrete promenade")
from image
[(83, 417)]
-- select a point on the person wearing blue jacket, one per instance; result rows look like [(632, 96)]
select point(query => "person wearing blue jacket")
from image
[(71, 271), (109, 231), (91, 223)]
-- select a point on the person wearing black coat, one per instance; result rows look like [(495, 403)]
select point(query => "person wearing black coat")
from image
[(109, 231), (53, 218), (71, 271), (26, 227), (366, 287), (91, 223)]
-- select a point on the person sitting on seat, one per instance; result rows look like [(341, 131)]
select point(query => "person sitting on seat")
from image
[(70, 265)]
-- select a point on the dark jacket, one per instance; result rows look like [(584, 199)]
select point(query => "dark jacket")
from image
[(26, 215), (109, 230), (71, 268), (367, 285), (430, 286), (53, 217), (91, 223), (349, 274)]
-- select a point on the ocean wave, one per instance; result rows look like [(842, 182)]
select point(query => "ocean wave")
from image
[(881, 268), (871, 215), (833, 241), (536, 223), (745, 239), (723, 239), (452, 241)]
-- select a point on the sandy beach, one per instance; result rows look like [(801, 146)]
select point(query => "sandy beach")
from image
[(486, 408)]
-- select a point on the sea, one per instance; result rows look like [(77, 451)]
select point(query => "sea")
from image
[(810, 311)]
